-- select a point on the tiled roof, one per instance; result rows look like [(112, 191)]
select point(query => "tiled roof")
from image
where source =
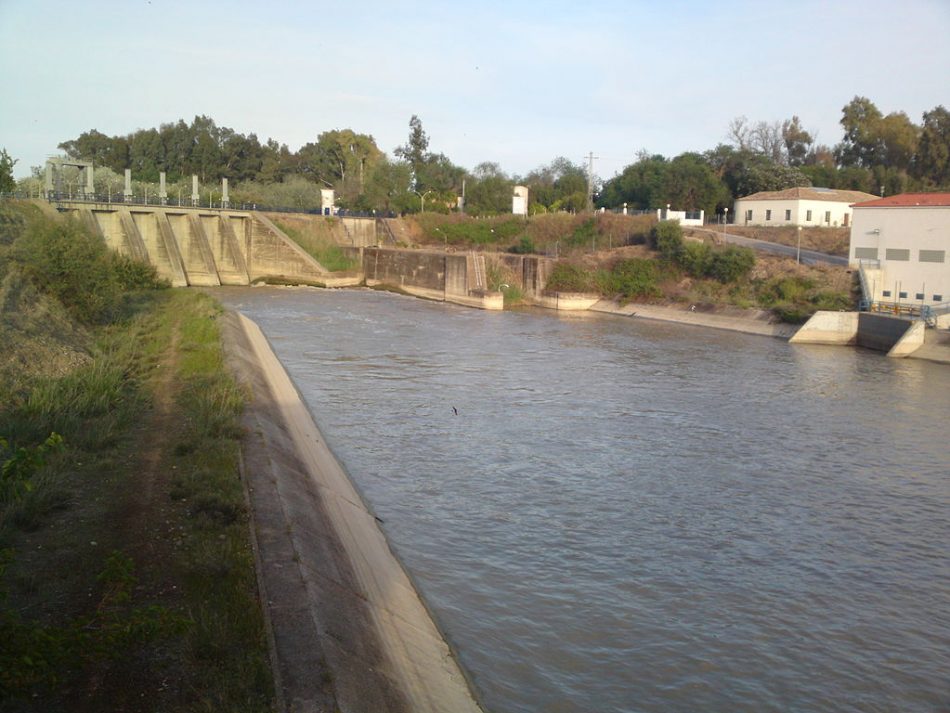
[(811, 194), (905, 200)]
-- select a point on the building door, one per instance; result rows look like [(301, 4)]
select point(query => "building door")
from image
[(846, 217)]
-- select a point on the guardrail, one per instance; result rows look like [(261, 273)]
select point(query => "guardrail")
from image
[(154, 201), (928, 313)]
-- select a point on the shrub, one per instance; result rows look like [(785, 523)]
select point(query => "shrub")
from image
[(568, 277), (666, 238), (136, 275), (633, 278), (64, 260), (525, 246), (731, 264), (696, 259)]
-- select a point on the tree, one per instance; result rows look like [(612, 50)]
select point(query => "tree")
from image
[(766, 139), (489, 192), (640, 185), (340, 158), (7, 184), (897, 137), (766, 176), (416, 150), (387, 186), (860, 119), (933, 149), (691, 184), (557, 186), (797, 141)]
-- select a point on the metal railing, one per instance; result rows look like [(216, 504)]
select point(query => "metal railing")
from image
[(118, 199)]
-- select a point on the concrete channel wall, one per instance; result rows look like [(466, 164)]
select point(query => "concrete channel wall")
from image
[(898, 337)]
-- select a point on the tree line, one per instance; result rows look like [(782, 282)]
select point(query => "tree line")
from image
[(878, 153)]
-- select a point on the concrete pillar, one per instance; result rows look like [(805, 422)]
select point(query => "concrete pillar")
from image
[(225, 203), (162, 193), (90, 189), (194, 191), (128, 185)]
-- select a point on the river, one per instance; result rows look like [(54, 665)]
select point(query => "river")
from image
[(609, 514)]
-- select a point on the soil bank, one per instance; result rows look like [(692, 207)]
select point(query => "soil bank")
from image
[(349, 630)]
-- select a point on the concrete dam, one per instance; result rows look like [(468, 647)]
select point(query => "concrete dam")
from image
[(191, 246), (211, 247)]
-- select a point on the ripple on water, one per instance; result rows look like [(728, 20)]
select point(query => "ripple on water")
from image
[(633, 516)]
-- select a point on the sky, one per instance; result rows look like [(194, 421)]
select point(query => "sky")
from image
[(516, 83)]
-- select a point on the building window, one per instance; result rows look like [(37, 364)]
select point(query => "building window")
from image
[(748, 215), (808, 216), (865, 253), (938, 298), (919, 296), (886, 293), (828, 217), (933, 255), (899, 254), (788, 215), (768, 215), (902, 295)]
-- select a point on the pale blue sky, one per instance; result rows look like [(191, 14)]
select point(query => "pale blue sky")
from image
[(516, 83)]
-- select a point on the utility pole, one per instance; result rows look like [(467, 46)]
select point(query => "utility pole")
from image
[(590, 181)]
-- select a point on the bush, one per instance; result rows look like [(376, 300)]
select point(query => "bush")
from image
[(136, 275), (525, 246), (568, 277), (666, 238), (731, 264), (696, 259), (633, 278), (65, 261)]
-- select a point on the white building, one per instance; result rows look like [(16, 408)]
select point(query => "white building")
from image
[(327, 200), (519, 201), (828, 207), (684, 217), (902, 244)]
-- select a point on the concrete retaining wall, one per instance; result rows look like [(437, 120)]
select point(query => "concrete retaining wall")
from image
[(432, 275), (881, 332), (828, 328), (898, 337), (567, 301)]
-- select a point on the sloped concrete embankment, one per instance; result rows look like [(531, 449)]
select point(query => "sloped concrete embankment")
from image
[(193, 246), (349, 631), (893, 335)]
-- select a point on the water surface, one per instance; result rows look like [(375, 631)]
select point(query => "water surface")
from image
[(634, 516)]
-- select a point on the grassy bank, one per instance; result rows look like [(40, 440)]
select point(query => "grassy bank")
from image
[(560, 233), (675, 270), (127, 576), (316, 237)]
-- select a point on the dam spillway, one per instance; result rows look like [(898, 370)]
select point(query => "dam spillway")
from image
[(204, 247)]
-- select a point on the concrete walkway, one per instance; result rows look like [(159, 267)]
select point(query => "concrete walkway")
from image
[(349, 631), (746, 321)]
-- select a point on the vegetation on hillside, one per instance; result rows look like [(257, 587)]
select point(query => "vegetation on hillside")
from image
[(126, 576), (689, 271)]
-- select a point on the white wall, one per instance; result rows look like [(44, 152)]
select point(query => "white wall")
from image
[(680, 215), (913, 229), (840, 212)]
